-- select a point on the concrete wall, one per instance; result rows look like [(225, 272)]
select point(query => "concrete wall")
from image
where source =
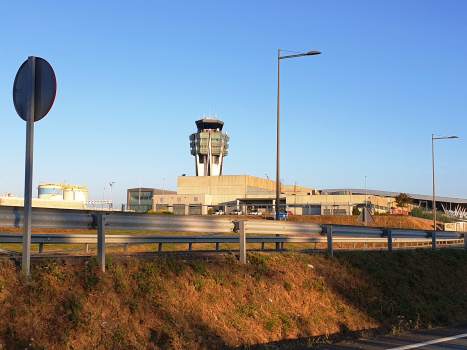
[(42, 203), (173, 199)]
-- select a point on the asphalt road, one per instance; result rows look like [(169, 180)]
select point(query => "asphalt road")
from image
[(453, 337)]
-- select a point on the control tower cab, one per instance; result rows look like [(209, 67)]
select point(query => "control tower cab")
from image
[(209, 146)]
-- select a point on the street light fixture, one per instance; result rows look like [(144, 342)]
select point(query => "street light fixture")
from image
[(279, 58), (433, 162)]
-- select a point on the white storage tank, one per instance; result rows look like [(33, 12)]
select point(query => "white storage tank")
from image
[(75, 193), (51, 190)]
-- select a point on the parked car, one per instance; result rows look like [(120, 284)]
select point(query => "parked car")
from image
[(218, 212), (255, 212), (236, 212)]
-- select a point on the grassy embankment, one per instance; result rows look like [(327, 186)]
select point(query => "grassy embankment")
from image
[(218, 303)]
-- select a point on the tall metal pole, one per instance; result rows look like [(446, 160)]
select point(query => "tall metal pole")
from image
[(364, 214), (103, 196), (139, 198), (278, 185), (111, 186), (433, 162), (26, 261)]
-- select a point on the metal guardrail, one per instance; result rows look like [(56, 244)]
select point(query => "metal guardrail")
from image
[(107, 221)]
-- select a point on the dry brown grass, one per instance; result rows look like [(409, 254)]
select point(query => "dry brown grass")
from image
[(217, 302)]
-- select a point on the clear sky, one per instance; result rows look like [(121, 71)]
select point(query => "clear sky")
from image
[(133, 76)]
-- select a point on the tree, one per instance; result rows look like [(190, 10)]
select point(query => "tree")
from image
[(403, 200)]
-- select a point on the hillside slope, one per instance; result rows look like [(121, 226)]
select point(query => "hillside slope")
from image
[(215, 302)]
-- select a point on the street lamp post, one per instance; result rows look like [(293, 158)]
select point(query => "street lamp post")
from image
[(433, 138), (111, 186), (279, 58)]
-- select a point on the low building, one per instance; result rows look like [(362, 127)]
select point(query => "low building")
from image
[(198, 194)]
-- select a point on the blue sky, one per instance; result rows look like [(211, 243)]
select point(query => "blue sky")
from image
[(134, 76)]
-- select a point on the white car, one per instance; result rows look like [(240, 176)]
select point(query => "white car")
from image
[(256, 212), (236, 212), (218, 212)]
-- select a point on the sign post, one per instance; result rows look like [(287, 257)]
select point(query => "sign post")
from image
[(34, 93)]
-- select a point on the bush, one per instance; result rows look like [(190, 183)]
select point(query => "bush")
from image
[(444, 219), (162, 211), (417, 212), (355, 211), (381, 213)]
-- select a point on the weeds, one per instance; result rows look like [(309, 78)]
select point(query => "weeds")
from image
[(199, 283), (270, 324), (249, 309), (237, 284), (109, 262), (286, 321), (132, 305), (73, 306), (287, 286), (177, 266), (120, 281), (200, 269), (120, 337)]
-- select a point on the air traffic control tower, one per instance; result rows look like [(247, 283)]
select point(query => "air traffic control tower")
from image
[(209, 146)]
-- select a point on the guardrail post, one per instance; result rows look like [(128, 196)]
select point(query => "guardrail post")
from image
[(101, 241), (242, 237), (433, 240), (41, 248), (86, 248), (328, 230), (388, 232), (160, 247), (126, 247), (190, 245), (262, 246), (465, 240), (217, 245)]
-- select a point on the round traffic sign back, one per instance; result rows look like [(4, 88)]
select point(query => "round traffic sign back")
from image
[(45, 89)]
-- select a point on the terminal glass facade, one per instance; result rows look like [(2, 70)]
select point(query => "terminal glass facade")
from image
[(140, 201)]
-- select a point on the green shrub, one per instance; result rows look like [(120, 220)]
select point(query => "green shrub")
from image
[(162, 211), (417, 212), (444, 219), (355, 211)]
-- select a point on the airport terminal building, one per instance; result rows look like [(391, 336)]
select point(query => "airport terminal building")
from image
[(198, 194)]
